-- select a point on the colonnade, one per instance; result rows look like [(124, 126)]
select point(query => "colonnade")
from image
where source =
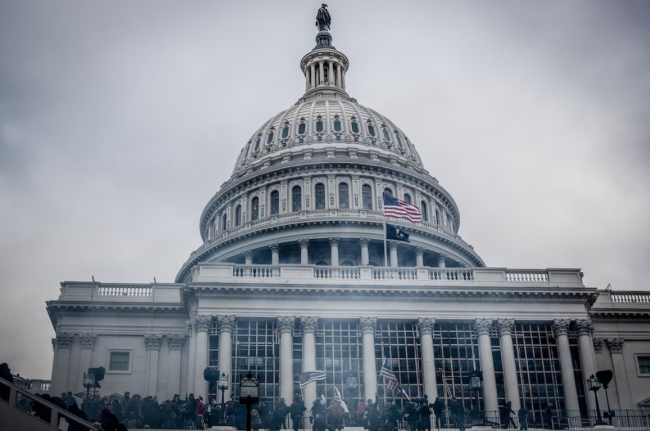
[(316, 77), (364, 243), (484, 329)]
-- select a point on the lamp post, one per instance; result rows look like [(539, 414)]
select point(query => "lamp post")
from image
[(249, 394), (594, 385), (88, 382), (223, 385), (475, 378), (605, 377)]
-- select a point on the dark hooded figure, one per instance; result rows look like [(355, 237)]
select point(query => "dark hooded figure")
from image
[(318, 416), (5, 373), (75, 410), (108, 420)]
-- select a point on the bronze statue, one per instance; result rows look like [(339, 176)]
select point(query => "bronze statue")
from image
[(323, 19)]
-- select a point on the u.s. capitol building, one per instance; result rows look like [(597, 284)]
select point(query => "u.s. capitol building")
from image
[(291, 278)]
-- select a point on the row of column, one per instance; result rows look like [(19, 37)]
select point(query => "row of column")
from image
[(314, 79), (483, 328), (334, 250)]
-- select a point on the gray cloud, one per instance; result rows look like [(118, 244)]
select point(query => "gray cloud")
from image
[(119, 120)]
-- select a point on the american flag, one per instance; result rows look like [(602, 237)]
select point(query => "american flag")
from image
[(337, 399), (394, 207), (310, 376), (391, 381)]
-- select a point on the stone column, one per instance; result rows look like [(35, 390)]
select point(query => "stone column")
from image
[(367, 326), (226, 328), (560, 329), (321, 76), (441, 260), (304, 251), (343, 85), (191, 363), (64, 342), (309, 325), (419, 257), (312, 75), (506, 326), (585, 329), (428, 361), (334, 245), (201, 324), (392, 245), (482, 328), (248, 255), (275, 254), (153, 342), (620, 373), (87, 342), (175, 344), (285, 327), (330, 73), (338, 75), (365, 257)]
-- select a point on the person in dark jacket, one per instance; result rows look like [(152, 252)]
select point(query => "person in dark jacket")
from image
[(458, 411), (5, 373), (438, 409), (318, 416), (75, 410), (523, 418), (108, 420), (425, 417), (295, 411), (506, 419)]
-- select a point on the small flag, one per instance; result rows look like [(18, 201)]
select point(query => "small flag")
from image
[(395, 232), (337, 399), (394, 207), (311, 376), (391, 380), (82, 395)]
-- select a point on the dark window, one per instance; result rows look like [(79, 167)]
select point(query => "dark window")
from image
[(337, 125), (366, 197), (388, 191), (301, 129), (257, 144), (224, 224), (407, 198), (319, 126), (296, 198), (355, 127), (399, 140), (270, 138), (644, 364), (119, 361), (425, 213), (275, 202), (344, 196), (320, 196), (285, 132), (437, 217), (238, 215), (255, 207), (371, 129), (248, 149), (386, 135)]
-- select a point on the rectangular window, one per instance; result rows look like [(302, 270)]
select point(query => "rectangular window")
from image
[(119, 361), (644, 364)]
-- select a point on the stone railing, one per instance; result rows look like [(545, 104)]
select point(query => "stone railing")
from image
[(631, 297), (124, 291), (299, 274)]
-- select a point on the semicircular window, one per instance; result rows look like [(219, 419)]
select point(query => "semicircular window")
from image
[(344, 196), (285, 132), (319, 191), (275, 202), (255, 209), (407, 198), (337, 124), (296, 198), (371, 129), (238, 215), (366, 197), (425, 213)]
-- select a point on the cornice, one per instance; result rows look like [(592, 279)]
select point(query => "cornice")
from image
[(97, 309)]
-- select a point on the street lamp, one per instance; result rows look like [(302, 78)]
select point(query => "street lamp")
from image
[(475, 378), (593, 384), (88, 382), (223, 385), (249, 394), (605, 377)]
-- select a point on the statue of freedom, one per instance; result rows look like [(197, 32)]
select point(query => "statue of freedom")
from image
[(323, 19)]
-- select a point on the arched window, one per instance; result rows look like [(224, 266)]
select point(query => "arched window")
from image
[(275, 202), (437, 217), (285, 132), (423, 209), (388, 191), (355, 126), (337, 124), (399, 140), (371, 129), (257, 144), (248, 149), (344, 196), (386, 135), (319, 125), (255, 209), (224, 222), (302, 127), (296, 198), (238, 215), (319, 192), (270, 138), (366, 197), (407, 198)]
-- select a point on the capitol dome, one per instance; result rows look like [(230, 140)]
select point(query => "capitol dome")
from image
[(307, 188)]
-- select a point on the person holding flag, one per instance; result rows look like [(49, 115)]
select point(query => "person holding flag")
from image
[(391, 380)]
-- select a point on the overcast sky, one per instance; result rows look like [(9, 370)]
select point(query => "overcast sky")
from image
[(120, 119)]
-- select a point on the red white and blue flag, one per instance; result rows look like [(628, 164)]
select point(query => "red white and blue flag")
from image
[(311, 376), (391, 380), (397, 208), (338, 400)]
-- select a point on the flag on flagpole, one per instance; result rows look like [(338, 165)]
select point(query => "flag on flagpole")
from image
[(338, 400), (397, 208), (396, 233), (391, 380), (311, 376)]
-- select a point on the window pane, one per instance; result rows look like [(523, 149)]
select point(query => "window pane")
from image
[(320, 196), (386, 135), (423, 208), (399, 141), (337, 126), (388, 191), (371, 130), (296, 197), (319, 126), (270, 138), (257, 144), (301, 129), (366, 193), (224, 224), (256, 208), (275, 203), (407, 198), (119, 361), (355, 127), (644, 365), (238, 215), (344, 199), (285, 132)]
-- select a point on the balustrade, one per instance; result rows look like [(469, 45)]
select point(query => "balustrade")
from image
[(124, 290), (450, 274), (528, 276), (394, 274), (638, 297), (255, 271)]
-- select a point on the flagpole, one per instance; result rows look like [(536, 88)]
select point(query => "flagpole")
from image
[(385, 248)]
